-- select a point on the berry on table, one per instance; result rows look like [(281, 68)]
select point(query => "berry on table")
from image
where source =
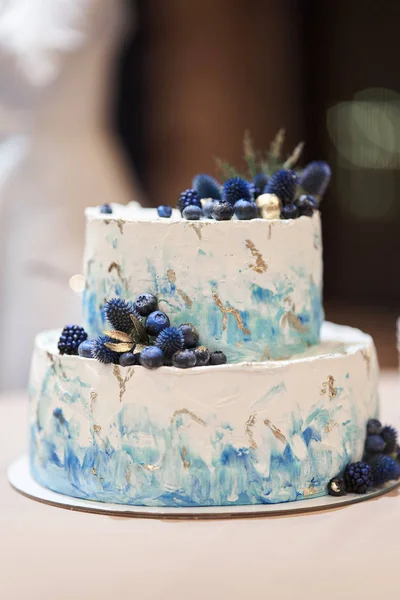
[(117, 312), (221, 210), (127, 359), (374, 444), (106, 209), (206, 186), (289, 211), (389, 436), (102, 353), (188, 197), (164, 211), (85, 349), (192, 212), (190, 335), (151, 357), (218, 358), (315, 178), (146, 304), (170, 340), (184, 359), (245, 210), (306, 206), (202, 356), (385, 469), (358, 477), (236, 189), (374, 427), (156, 322), (70, 339), (282, 184), (336, 487)]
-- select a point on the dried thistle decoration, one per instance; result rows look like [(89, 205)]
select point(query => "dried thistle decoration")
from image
[(137, 338)]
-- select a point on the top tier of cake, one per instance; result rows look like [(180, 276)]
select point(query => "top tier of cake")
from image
[(252, 288)]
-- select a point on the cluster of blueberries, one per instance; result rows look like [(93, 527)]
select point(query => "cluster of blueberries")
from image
[(380, 464), (141, 335), (238, 197)]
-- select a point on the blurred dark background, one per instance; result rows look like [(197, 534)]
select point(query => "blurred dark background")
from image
[(197, 74)]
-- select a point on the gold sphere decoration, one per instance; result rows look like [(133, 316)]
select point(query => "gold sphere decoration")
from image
[(269, 206)]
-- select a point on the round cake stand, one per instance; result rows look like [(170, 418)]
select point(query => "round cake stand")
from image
[(21, 480)]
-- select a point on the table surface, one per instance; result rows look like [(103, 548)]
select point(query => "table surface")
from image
[(48, 553)]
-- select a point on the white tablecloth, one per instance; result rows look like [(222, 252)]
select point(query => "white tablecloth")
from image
[(48, 553)]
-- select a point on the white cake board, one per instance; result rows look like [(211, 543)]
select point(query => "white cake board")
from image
[(21, 480)]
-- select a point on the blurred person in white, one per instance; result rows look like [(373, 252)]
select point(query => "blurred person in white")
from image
[(57, 155)]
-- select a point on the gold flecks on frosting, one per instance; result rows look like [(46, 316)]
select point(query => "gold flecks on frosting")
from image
[(266, 355), (185, 462), (229, 310), (128, 476), (185, 411), (94, 472), (151, 467), (277, 432), (366, 354), (329, 426), (120, 225), (310, 491), (114, 266), (260, 265), (122, 381), (93, 398), (250, 423), (197, 228), (293, 321), (171, 276), (239, 344), (328, 387), (97, 428), (56, 363)]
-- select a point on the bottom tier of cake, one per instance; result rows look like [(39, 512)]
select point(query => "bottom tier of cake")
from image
[(246, 433)]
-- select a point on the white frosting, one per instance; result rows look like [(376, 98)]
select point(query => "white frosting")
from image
[(236, 433), (253, 288)]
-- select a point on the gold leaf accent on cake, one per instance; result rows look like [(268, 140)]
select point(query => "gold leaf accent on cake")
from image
[(328, 387), (93, 398), (185, 411), (122, 381), (260, 265), (114, 266), (120, 347), (138, 333), (293, 321), (266, 355), (310, 491), (277, 432), (329, 426), (251, 421), (128, 476), (94, 472), (185, 462), (151, 467), (120, 224), (232, 311), (197, 229), (171, 276), (121, 336), (97, 428), (366, 354)]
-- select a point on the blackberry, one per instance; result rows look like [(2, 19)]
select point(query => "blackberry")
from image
[(70, 339), (207, 187), (236, 189), (118, 311), (315, 178), (170, 340), (188, 197), (358, 477), (283, 184)]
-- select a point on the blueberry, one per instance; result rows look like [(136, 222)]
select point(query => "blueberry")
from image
[(184, 359), (202, 356), (207, 206), (164, 211), (146, 304), (127, 359), (85, 349), (156, 322), (151, 357), (245, 210), (374, 443), (217, 358), (336, 487), (192, 212), (289, 211), (221, 210), (306, 206), (374, 427), (190, 335), (106, 209)]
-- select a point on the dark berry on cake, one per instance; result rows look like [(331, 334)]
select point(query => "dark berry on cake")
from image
[(315, 178), (389, 436), (70, 339), (146, 304), (306, 206), (106, 209), (85, 349), (164, 211), (336, 487), (184, 359), (192, 213), (358, 477), (236, 189), (260, 181), (218, 358), (202, 356), (374, 444), (221, 210), (151, 357), (102, 353), (118, 312), (190, 335), (170, 340), (283, 184), (245, 210), (207, 187), (128, 359), (374, 427), (156, 322), (289, 211), (385, 469), (186, 198)]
